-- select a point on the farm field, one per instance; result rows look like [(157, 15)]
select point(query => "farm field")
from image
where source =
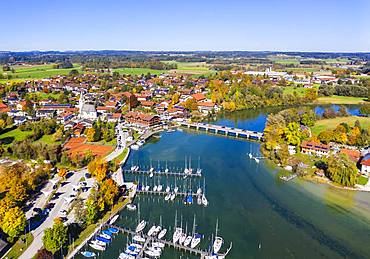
[(8, 137), (38, 71), (325, 124), (335, 99), (193, 68), (139, 71)]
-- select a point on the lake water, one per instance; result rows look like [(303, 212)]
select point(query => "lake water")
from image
[(262, 216)]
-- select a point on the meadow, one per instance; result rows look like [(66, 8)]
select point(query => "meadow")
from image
[(325, 124), (336, 99)]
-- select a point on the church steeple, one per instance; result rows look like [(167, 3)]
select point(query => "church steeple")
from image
[(81, 102)]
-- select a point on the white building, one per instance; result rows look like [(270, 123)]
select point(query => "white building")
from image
[(86, 111)]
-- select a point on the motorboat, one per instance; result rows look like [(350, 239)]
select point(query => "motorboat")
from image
[(135, 246), (217, 244), (182, 238), (107, 232), (214, 257), (173, 196), (106, 236), (188, 240), (167, 197), (139, 239), (126, 256), (188, 200), (168, 189), (114, 219), (100, 238), (88, 254), (113, 230), (140, 226), (204, 201), (257, 160), (131, 207), (97, 247), (162, 233), (176, 235), (195, 240), (152, 253), (152, 230), (99, 243), (135, 147), (158, 244)]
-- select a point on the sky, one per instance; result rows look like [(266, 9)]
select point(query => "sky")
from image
[(265, 25)]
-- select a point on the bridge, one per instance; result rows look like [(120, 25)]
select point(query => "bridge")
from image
[(224, 130)]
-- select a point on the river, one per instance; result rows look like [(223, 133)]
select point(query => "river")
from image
[(262, 216)]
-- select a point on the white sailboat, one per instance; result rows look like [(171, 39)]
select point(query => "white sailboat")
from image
[(168, 189), (140, 226), (188, 240), (204, 198), (199, 170), (151, 230), (173, 196), (178, 231), (162, 233), (217, 244), (196, 237), (167, 197), (114, 219), (166, 170), (138, 238)]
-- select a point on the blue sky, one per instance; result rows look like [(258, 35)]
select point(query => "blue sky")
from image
[(286, 25)]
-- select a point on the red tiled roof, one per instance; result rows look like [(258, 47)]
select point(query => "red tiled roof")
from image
[(198, 97), (353, 154), (315, 146)]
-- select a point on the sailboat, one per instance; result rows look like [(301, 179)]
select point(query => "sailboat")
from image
[(204, 199), (162, 233), (196, 237), (176, 189), (199, 170), (177, 233), (168, 189), (167, 197), (186, 170), (160, 187), (166, 170), (173, 196), (183, 234), (217, 244), (152, 230), (140, 226)]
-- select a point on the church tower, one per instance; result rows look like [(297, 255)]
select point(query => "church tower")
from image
[(81, 103)]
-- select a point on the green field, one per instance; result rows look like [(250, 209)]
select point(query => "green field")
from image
[(17, 135), (193, 68), (335, 99), (300, 90), (325, 124), (38, 71)]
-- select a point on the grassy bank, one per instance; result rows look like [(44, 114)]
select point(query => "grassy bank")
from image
[(22, 243), (322, 125), (335, 99)]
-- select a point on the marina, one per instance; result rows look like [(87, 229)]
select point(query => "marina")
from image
[(163, 173)]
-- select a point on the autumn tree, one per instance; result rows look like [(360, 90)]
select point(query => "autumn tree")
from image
[(44, 254), (56, 237), (62, 173), (13, 223), (17, 192), (90, 134), (292, 134)]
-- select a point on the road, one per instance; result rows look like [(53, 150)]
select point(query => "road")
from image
[(64, 191)]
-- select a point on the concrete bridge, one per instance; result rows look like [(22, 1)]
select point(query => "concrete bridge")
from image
[(224, 130)]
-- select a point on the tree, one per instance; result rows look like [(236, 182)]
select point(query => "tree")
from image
[(2, 124), (55, 238), (109, 191), (101, 171), (13, 223), (62, 172), (73, 72), (190, 104), (292, 134), (44, 254), (92, 211), (341, 170), (90, 134), (311, 94), (17, 192)]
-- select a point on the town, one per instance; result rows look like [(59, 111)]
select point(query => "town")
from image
[(66, 138)]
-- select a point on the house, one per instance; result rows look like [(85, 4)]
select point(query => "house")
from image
[(354, 155), (114, 117), (21, 106), (4, 108), (142, 119), (45, 113), (365, 164), (313, 148), (199, 97), (147, 104), (18, 120), (206, 107)]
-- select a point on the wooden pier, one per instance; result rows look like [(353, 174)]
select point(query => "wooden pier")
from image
[(224, 130), (162, 173), (150, 239)]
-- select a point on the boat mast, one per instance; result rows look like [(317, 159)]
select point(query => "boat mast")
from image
[(216, 228)]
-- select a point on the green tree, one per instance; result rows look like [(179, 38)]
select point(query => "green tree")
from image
[(13, 223), (55, 238), (341, 170)]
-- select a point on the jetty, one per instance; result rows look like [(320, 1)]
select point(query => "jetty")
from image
[(166, 193), (224, 130), (150, 239), (163, 173)]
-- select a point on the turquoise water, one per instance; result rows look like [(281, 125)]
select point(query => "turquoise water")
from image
[(260, 215)]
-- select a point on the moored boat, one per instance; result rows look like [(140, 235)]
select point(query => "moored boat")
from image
[(162, 233), (88, 254), (140, 226)]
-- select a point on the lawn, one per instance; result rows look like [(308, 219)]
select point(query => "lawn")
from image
[(13, 135), (19, 246), (335, 99), (300, 90), (362, 180), (49, 139), (38, 71), (43, 96), (120, 157), (322, 125)]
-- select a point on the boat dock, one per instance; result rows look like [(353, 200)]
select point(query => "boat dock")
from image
[(224, 130), (150, 239), (166, 193), (163, 173)]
